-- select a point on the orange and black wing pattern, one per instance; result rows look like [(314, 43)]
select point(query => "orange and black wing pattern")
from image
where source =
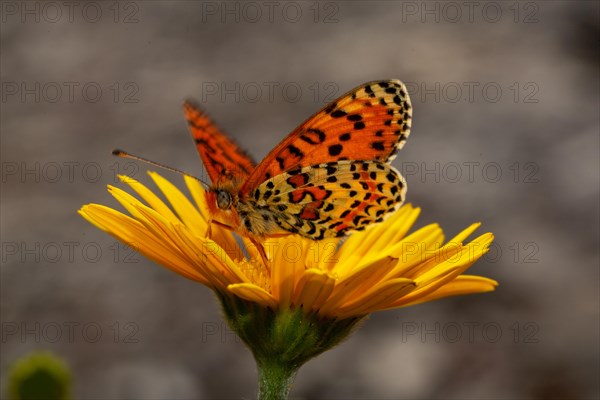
[(332, 175), (223, 159), (370, 122)]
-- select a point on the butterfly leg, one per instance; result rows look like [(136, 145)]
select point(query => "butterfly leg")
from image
[(261, 251), (256, 244), (222, 225), (209, 229)]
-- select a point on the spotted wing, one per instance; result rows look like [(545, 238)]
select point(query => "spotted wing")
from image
[(370, 122), (330, 199), (222, 157)]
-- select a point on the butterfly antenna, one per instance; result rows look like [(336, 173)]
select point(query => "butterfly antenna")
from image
[(124, 154)]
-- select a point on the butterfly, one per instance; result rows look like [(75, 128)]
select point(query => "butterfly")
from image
[(330, 176)]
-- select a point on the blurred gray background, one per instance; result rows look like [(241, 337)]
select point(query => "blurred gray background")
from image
[(505, 132)]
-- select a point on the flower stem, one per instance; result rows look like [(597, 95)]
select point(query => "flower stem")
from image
[(275, 380)]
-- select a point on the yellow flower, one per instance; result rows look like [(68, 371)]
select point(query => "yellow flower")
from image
[(381, 268), (311, 295)]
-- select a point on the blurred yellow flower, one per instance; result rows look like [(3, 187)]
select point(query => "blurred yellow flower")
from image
[(381, 268)]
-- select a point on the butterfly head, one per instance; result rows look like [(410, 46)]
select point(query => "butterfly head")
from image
[(221, 202), (221, 199)]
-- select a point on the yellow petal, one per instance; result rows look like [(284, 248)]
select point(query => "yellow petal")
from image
[(150, 198), (462, 284), (209, 253), (313, 289), (449, 270), (385, 294), (200, 252), (198, 194), (134, 234), (372, 240), (287, 266), (253, 293), (399, 224), (323, 254), (187, 213), (447, 256), (355, 285), (465, 233), (416, 248)]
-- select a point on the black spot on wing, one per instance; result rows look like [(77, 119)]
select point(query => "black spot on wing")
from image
[(280, 161), (295, 151), (313, 136), (359, 125), (335, 149)]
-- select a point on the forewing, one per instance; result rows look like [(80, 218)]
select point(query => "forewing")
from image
[(222, 157), (331, 199), (370, 122)]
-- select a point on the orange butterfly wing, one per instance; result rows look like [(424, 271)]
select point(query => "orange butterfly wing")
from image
[(330, 199), (222, 157), (328, 177), (370, 122)]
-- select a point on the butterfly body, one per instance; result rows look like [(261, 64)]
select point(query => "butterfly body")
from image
[(330, 176), (243, 216)]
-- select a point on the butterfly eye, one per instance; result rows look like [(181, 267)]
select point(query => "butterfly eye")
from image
[(223, 200)]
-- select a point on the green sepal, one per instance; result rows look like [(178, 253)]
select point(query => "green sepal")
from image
[(282, 340)]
